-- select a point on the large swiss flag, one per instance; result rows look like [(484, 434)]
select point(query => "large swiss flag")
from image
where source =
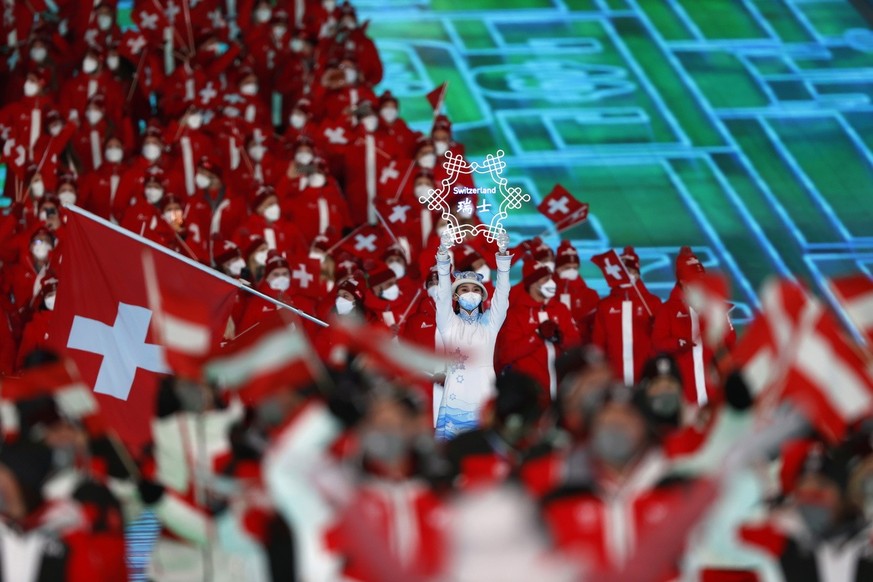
[(104, 323)]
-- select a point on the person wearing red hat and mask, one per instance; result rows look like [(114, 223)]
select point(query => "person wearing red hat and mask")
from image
[(537, 330), (191, 145), (387, 300), (209, 195), (623, 323), (299, 122), (100, 188), (92, 79), (677, 332), (267, 222), (346, 302), (276, 284), (390, 119), (152, 160), (318, 207), (37, 331), (573, 292), (137, 216)]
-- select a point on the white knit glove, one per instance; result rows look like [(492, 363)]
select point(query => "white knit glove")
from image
[(502, 240)]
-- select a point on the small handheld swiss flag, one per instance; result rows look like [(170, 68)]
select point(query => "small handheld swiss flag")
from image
[(612, 267), (104, 322), (437, 96), (562, 208), (855, 295)]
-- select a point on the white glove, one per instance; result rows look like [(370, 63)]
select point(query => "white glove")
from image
[(502, 240), (447, 240)]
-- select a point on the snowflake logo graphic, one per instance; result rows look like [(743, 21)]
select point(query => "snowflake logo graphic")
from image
[(511, 198), (457, 361)]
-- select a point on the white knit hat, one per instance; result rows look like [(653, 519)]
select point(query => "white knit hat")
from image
[(472, 277)]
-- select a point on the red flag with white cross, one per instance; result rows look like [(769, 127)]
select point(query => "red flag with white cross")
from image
[(104, 322), (562, 208), (855, 295), (612, 267)]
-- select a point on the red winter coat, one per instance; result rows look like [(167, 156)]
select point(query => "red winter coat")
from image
[(582, 302), (318, 211), (627, 345)]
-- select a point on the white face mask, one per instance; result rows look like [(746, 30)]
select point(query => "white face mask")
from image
[(249, 89), (89, 65), (389, 114), (104, 21), (391, 293), (329, 5), (549, 289), (441, 147), (485, 271), (37, 189), (40, 249), (67, 198), (370, 122), (261, 257), (50, 301), (55, 129), (112, 61), (151, 151), (272, 212), (280, 283), (195, 120), (279, 31), (94, 116), (398, 268), (263, 15), (153, 194), (114, 155), (297, 120), (421, 191), (344, 306), (257, 152), (202, 181), (303, 158), (427, 161), (569, 274), (469, 300), (38, 54), (31, 88), (297, 45), (235, 267), (172, 216), (351, 75), (317, 180), (432, 291)]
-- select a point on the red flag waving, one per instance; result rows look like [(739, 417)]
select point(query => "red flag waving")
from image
[(437, 96), (855, 295), (612, 267), (103, 320), (562, 208), (132, 45), (366, 243)]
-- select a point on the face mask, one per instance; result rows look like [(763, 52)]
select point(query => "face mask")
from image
[(37, 189), (816, 517), (38, 54), (104, 22), (329, 5), (613, 445), (151, 151), (63, 457), (351, 75), (55, 129), (569, 274), (279, 31), (344, 306), (272, 212), (297, 120), (40, 250), (202, 181), (257, 153), (317, 180), (249, 89), (398, 268), (280, 283), (427, 161), (67, 198), (303, 158), (469, 300), (50, 302), (263, 15), (94, 116), (383, 446), (112, 61), (391, 293), (31, 88), (152, 194), (370, 123), (421, 191), (665, 405), (261, 258), (236, 266), (297, 45), (114, 155), (549, 289), (173, 216), (89, 65), (195, 120), (485, 271), (432, 291), (389, 114), (441, 147)]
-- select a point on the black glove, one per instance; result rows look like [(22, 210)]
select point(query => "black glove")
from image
[(548, 330), (150, 491)]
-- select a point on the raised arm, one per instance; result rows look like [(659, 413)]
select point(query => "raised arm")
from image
[(444, 288), (500, 301)]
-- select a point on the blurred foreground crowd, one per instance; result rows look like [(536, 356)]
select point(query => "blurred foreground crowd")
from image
[(615, 442)]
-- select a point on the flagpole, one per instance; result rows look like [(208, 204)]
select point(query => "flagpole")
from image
[(208, 270), (343, 239), (409, 307), (634, 285), (385, 226)]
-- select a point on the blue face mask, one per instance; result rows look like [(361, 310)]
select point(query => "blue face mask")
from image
[(469, 301)]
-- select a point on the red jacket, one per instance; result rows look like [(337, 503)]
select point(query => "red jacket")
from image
[(678, 332), (520, 347), (318, 211), (99, 190), (582, 302), (627, 345)]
